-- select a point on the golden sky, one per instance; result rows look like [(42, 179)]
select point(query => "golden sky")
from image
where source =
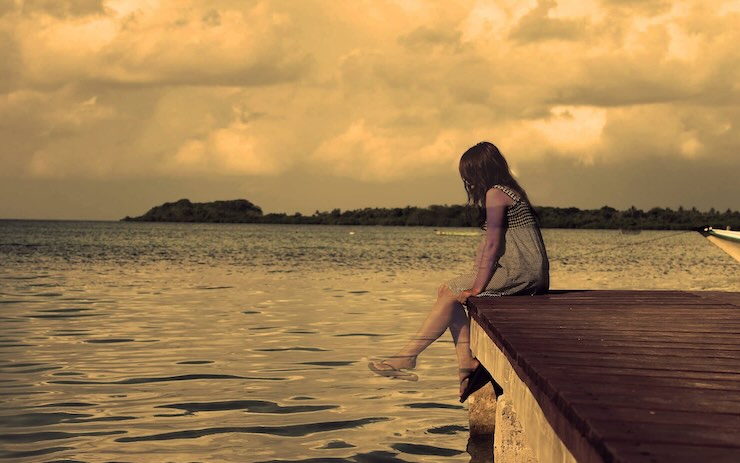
[(109, 107)]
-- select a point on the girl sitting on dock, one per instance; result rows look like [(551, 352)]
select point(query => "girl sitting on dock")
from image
[(510, 260)]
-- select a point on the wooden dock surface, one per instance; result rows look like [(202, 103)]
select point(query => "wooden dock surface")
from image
[(627, 376)]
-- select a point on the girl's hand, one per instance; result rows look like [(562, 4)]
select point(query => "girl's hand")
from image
[(463, 296)]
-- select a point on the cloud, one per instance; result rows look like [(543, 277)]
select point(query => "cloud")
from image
[(11, 59), (379, 91), (537, 25), (232, 150), (493, 21), (179, 133), (651, 7), (160, 45), (425, 38), (63, 8), (667, 132), (36, 124), (376, 154)]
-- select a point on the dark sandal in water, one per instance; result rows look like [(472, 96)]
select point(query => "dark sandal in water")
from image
[(389, 371), (476, 380)]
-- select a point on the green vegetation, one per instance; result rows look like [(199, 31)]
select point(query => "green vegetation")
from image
[(657, 218), (235, 211), (243, 211)]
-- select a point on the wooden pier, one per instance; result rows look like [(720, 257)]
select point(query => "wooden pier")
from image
[(613, 376)]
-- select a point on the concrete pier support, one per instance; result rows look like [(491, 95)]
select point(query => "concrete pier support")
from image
[(482, 412), (509, 442), (495, 422)]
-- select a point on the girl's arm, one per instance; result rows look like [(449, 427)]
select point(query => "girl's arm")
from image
[(488, 253), (479, 254)]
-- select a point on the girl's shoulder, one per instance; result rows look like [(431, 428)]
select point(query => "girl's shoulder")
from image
[(498, 197), (510, 192)]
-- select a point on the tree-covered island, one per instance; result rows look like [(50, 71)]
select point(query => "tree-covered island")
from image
[(243, 211)]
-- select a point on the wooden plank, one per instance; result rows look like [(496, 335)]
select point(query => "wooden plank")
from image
[(676, 452), (626, 346), (563, 310), (615, 322), (609, 390), (514, 301), (663, 404), (726, 297), (641, 372), (634, 361), (632, 414), (729, 389), (612, 296), (571, 331), (611, 357), (711, 436), (637, 338), (687, 332), (678, 313)]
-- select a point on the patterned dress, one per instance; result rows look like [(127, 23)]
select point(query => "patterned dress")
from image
[(522, 267)]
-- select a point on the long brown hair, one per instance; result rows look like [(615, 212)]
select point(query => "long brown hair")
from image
[(481, 167)]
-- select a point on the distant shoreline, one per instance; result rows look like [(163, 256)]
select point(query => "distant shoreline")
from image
[(607, 218)]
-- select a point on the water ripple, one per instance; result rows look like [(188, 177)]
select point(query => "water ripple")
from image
[(285, 349), (33, 453), (330, 363), (252, 406), (108, 341), (297, 430), (165, 379), (377, 456), (52, 435), (68, 310), (450, 429), (313, 460), (39, 419), (419, 449), (337, 444), (20, 365), (432, 405), (67, 405), (61, 316)]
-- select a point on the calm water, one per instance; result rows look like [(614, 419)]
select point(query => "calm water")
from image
[(249, 343)]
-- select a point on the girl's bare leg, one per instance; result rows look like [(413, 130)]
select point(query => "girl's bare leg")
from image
[(446, 313), (460, 330)]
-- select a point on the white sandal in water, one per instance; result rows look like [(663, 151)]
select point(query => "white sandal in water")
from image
[(389, 371)]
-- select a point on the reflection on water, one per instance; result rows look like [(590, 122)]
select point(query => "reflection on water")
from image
[(166, 342)]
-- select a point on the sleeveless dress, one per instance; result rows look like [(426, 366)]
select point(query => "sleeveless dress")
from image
[(523, 267)]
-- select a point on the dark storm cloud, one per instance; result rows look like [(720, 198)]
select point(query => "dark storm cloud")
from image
[(426, 37), (652, 7), (10, 72), (7, 6), (537, 26), (63, 8)]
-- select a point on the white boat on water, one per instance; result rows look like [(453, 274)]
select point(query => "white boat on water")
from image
[(457, 233), (727, 240)]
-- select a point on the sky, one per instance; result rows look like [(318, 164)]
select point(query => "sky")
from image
[(110, 107)]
